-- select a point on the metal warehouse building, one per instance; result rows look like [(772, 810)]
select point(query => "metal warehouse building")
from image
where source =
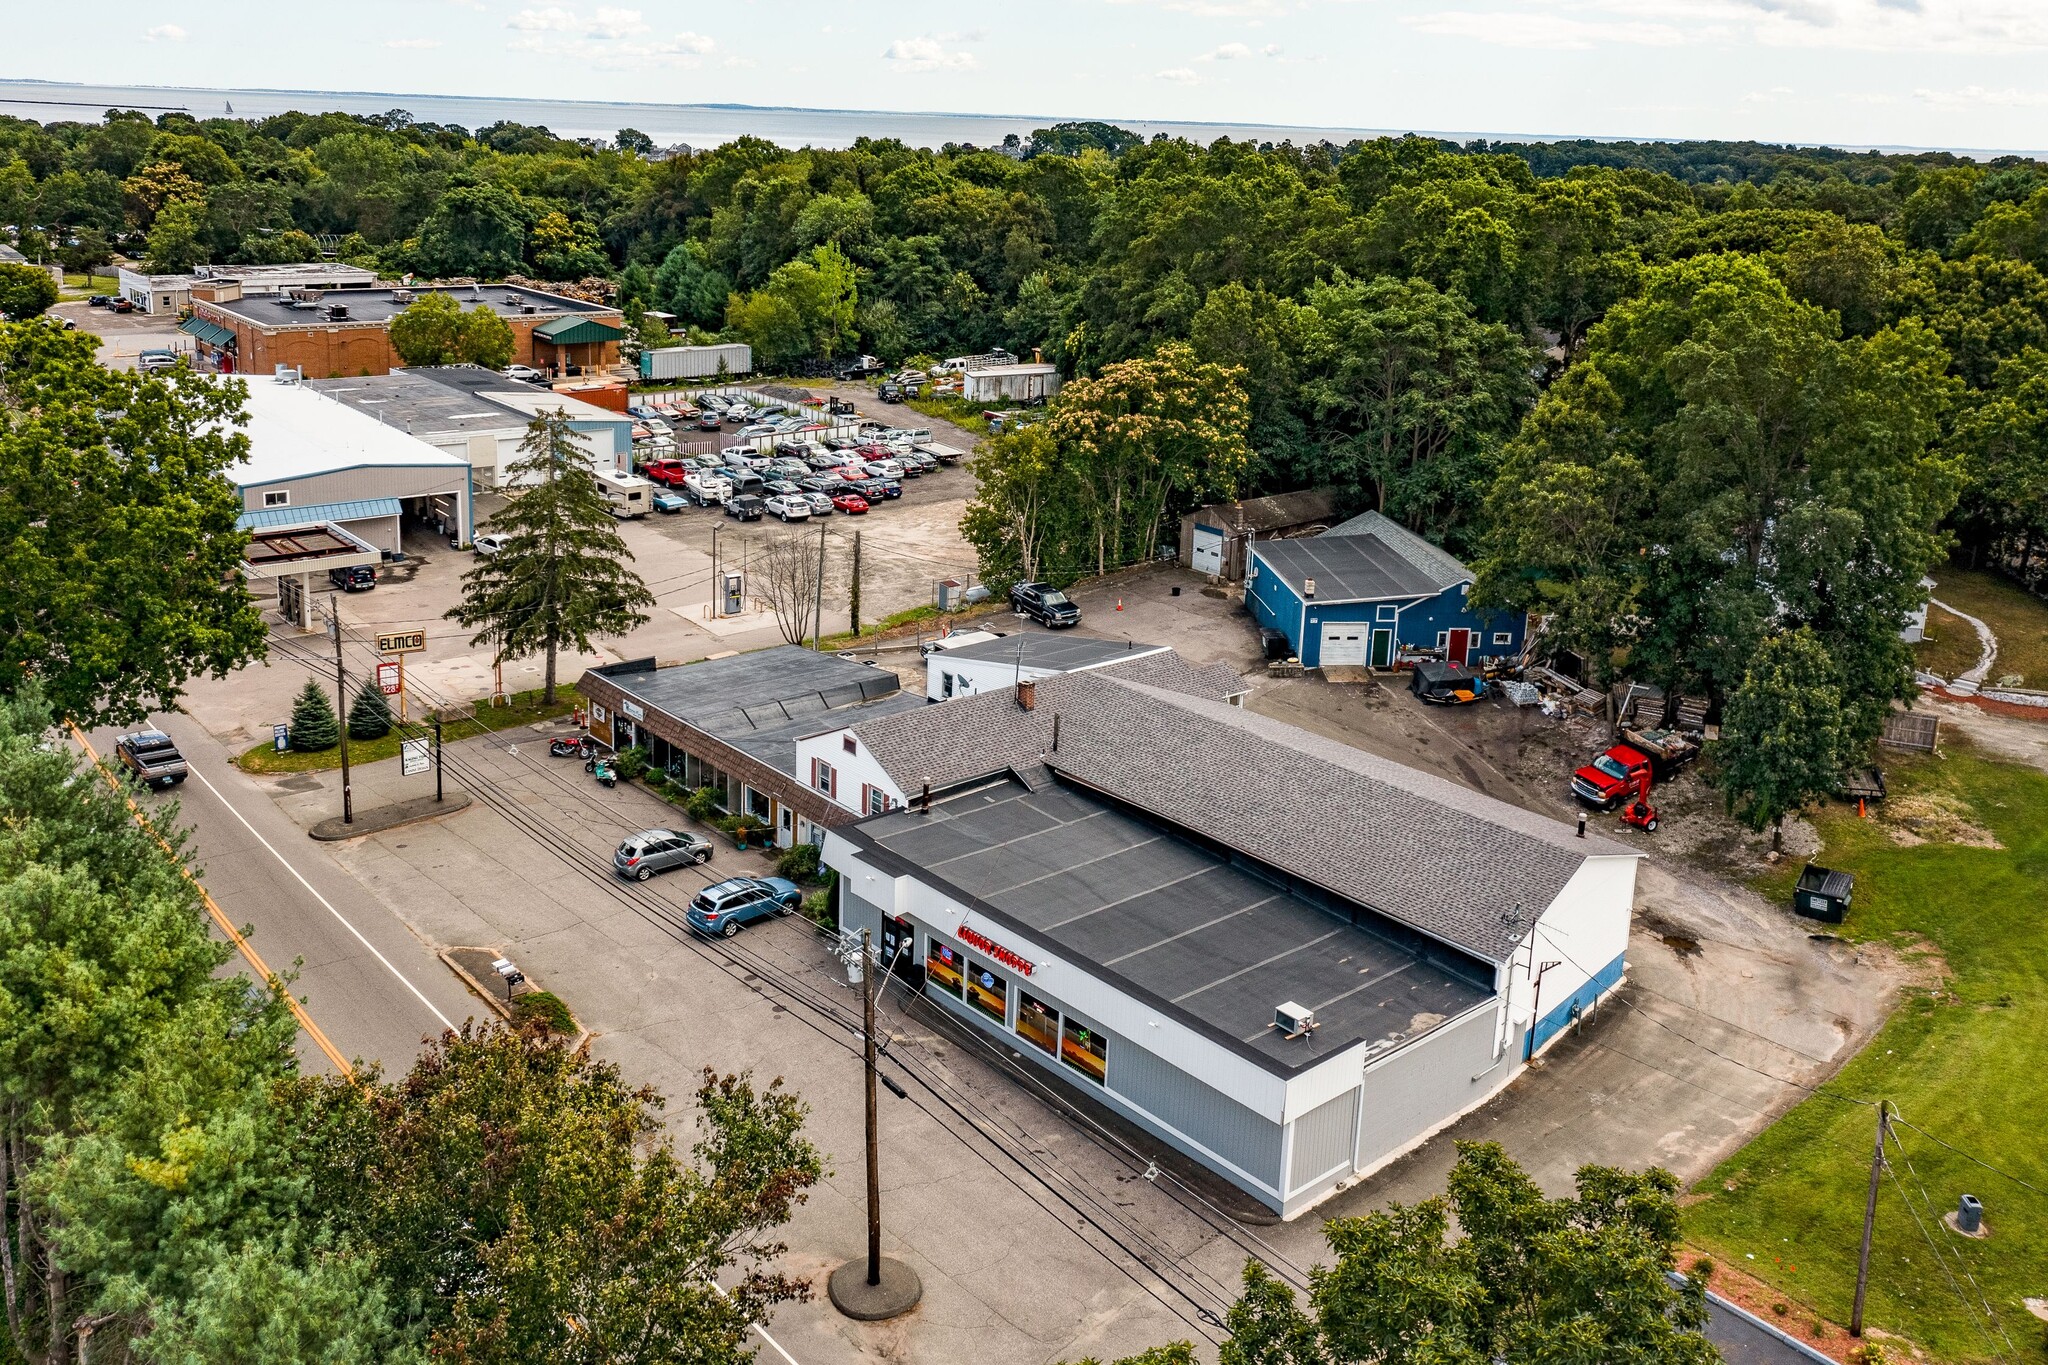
[(1372, 593), (1288, 959)]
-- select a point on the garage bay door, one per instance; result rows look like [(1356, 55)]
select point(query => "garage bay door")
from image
[(1343, 643), (1208, 551)]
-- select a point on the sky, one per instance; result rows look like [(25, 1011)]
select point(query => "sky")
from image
[(1966, 74)]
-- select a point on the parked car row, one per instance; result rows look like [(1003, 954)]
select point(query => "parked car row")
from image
[(798, 479)]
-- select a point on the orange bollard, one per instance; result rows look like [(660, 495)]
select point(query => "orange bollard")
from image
[(1861, 813)]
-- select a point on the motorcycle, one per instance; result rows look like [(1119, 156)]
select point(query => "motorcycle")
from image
[(602, 770), (572, 748)]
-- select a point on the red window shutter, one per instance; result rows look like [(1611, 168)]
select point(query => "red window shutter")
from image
[(864, 789)]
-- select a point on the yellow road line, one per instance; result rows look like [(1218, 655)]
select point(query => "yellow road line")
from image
[(220, 918)]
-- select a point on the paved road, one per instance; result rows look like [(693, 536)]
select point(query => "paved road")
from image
[(373, 987)]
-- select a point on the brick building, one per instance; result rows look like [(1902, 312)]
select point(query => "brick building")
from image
[(348, 333)]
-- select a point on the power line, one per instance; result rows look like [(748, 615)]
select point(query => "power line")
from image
[(1939, 1259)]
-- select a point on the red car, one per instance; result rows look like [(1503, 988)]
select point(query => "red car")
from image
[(853, 504), (668, 473), (849, 472)]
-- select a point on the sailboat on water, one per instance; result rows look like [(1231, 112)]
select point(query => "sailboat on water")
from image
[(230, 104)]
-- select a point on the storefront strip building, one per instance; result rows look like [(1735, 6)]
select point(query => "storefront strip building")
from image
[(1288, 959), (732, 725)]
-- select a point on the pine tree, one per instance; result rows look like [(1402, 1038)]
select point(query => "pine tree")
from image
[(561, 576), (313, 724), (369, 716)]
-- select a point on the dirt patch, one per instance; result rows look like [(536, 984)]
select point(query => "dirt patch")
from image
[(1933, 818), (1775, 1306)]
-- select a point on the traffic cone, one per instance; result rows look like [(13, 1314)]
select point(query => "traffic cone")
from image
[(1119, 604)]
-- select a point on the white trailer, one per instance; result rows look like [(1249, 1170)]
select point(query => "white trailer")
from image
[(628, 495), (696, 362), (1011, 383)]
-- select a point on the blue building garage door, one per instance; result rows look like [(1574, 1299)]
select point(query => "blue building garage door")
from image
[(1344, 642)]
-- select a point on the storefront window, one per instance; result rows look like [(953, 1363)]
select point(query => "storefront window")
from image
[(757, 805), (988, 992), (1085, 1050), (942, 967), (1038, 1023)]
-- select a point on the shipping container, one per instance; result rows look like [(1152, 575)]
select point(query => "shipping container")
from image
[(695, 362)]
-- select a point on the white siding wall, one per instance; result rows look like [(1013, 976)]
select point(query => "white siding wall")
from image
[(854, 770), (1583, 930)]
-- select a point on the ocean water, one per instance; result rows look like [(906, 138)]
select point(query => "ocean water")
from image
[(698, 125)]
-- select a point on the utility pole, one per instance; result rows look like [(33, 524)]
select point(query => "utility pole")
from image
[(1884, 1123), (867, 1026), (873, 1288), (348, 811), (716, 586), (854, 591), (818, 604), (437, 755)]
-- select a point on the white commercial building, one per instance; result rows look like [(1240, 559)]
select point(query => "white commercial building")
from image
[(967, 662), (315, 461), (1291, 960)]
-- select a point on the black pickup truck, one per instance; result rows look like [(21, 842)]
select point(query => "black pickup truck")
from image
[(151, 757)]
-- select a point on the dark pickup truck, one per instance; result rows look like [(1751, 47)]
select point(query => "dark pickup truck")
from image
[(151, 757)]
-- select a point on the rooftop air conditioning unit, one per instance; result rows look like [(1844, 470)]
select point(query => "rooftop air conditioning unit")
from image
[(1294, 1020), (401, 296), (529, 308), (337, 311)]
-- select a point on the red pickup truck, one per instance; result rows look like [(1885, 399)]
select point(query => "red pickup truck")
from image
[(668, 473), (1612, 778)]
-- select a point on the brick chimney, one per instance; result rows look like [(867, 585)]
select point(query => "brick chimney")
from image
[(1027, 694)]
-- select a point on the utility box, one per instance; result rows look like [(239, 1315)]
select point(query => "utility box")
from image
[(1823, 893), (734, 593), (949, 594), (1970, 1215)]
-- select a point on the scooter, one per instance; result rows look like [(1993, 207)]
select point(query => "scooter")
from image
[(602, 770), (584, 747)]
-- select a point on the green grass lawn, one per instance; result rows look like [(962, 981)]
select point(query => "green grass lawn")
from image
[(2017, 617), (525, 708), (1951, 647), (1964, 1061)]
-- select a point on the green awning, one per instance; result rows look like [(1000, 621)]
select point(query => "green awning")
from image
[(212, 333), (577, 331)]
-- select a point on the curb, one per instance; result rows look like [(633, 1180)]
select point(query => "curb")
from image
[(333, 830)]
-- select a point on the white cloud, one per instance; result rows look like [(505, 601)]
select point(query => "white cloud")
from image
[(1547, 30), (1178, 75), (412, 42), (1910, 26), (615, 23), (553, 19), (1229, 52), (1977, 97), (165, 33), (927, 54)]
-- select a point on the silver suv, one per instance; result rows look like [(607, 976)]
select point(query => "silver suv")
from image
[(657, 850)]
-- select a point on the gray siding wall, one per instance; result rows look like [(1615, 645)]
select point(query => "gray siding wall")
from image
[(1322, 1140), (1419, 1088), (856, 914), (1208, 1116)]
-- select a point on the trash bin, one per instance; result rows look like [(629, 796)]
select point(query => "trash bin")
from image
[(1969, 1214), (1823, 893)]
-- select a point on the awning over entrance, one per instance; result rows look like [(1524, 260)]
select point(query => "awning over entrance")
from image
[(212, 333), (577, 331)]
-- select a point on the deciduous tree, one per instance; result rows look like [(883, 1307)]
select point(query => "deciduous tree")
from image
[(26, 291), (435, 329), (1784, 737), (119, 551), (562, 576)]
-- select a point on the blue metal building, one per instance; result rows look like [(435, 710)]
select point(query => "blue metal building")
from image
[(1370, 592)]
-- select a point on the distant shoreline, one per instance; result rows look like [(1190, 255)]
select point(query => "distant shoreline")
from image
[(831, 124)]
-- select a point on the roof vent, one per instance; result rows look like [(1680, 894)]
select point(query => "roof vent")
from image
[(1027, 694), (1308, 587), (1294, 1021)]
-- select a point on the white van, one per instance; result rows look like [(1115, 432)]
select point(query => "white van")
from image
[(628, 495)]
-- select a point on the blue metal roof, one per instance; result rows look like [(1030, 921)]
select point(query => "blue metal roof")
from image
[(362, 509)]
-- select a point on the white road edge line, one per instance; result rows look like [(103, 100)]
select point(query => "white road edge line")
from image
[(446, 1022), (720, 1290)]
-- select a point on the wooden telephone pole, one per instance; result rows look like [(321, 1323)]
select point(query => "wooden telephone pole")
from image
[(873, 1287), (348, 813), (1884, 1124)]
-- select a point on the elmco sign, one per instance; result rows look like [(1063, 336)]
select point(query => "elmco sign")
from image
[(402, 642)]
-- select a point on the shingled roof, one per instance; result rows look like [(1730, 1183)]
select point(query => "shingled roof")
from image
[(1439, 563), (1460, 866)]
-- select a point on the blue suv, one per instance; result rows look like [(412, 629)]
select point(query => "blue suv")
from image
[(724, 908)]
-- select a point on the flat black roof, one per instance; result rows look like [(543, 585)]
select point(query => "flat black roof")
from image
[(1062, 652), (382, 305), (1193, 932)]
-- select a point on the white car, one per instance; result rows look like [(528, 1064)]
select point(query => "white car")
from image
[(525, 374), (884, 469), (487, 545), (789, 507), (707, 489)]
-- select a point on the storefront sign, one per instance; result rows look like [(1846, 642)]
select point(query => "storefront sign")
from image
[(995, 950), (402, 642), (633, 709), (389, 679)]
